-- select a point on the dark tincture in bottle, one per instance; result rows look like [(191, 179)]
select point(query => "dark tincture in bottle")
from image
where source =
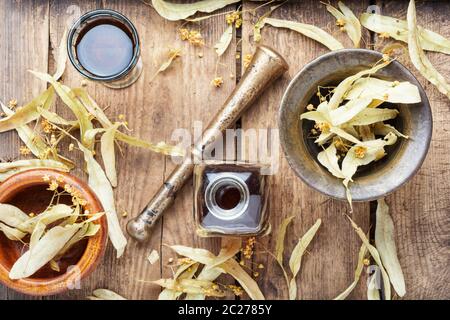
[(104, 48), (230, 199)]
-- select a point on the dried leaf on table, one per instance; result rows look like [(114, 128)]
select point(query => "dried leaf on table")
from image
[(185, 271), (89, 229), (347, 20), (260, 23), (224, 42), (179, 11), (62, 57), (373, 292), (44, 251), (398, 30), (69, 98), (281, 235), (102, 187), (307, 30), (8, 169), (418, 57), (385, 243), (234, 269), (296, 257), (98, 113), (172, 55), (108, 153), (55, 118), (230, 248), (359, 268), (153, 257), (28, 112), (376, 256), (205, 274), (193, 286), (105, 294)]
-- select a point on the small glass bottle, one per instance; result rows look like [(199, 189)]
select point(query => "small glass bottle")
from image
[(230, 199)]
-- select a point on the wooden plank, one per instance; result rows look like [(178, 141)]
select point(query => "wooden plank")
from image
[(193, 101), (421, 208), (140, 171), (23, 46), (329, 267)]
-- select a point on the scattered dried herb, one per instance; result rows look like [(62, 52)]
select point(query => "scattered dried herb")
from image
[(418, 57), (307, 30), (105, 294), (296, 257), (376, 256), (359, 268), (224, 42), (385, 243), (178, 11), (153, 257), (346, 19), (398, 30)]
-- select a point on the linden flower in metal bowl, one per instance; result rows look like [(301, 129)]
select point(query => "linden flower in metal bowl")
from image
[(355, 124)]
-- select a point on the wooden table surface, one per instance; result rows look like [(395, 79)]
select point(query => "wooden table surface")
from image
[(30, 31)]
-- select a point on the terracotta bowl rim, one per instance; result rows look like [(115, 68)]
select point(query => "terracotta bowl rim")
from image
[(312, 176), (95, 247)]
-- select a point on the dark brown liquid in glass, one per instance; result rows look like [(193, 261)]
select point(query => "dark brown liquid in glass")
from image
[(105, 48), (228, 197)]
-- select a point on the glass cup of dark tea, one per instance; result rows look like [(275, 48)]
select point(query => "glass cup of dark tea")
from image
[(103, 45)]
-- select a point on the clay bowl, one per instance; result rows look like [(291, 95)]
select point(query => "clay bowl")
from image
[(27, 191), (375, 180)]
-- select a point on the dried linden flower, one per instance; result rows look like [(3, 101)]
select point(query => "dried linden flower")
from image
[(24, 151), (340, 22), (71, 147), (360, 152), (217, 82), (384, 35), (247, 60), (46, 178), (46, 126), (310, 107), (53, 185), (12, 103)]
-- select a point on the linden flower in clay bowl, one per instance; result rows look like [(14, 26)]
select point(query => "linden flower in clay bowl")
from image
[(355, 125), (53, 232)]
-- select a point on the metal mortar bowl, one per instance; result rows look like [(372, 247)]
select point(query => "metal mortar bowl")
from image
[(375, 180)]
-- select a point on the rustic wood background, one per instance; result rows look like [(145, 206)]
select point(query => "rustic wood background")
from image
[(30, 31)]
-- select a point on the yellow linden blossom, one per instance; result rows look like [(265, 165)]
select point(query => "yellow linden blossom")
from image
[(46, 178), (256, 274), (236, 289), (360, 152), (12, 103), (247, 60), (71, 147), (217, 82), (260, 266), (193, 36), (53, 185), (46, 126), (184, 34), (395, 83), (322, 126), (234, 17), (366, 262), (340, 145), (32, 214), (340, 22), (24, 151), (384, 35), (185, 261), (248, 250)]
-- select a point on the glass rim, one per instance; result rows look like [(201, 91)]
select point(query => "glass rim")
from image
[(99, 13)]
